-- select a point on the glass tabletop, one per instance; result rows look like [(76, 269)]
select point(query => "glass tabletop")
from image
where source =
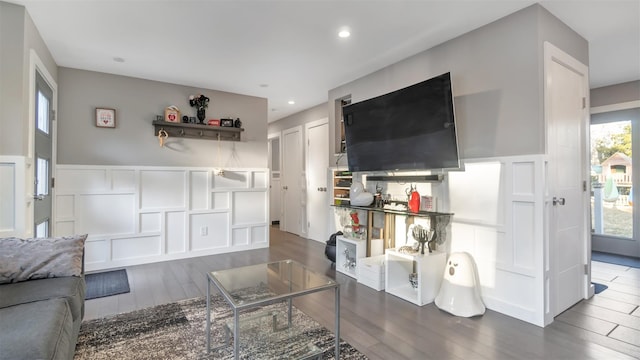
[(263, 282)]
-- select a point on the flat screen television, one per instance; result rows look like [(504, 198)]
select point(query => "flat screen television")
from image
[(409, 129)]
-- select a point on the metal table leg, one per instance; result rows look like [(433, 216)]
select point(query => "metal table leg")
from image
[(208, 315), (337, 313), (236, 334)]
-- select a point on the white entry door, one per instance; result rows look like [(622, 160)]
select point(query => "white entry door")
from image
[(43, 150), (566, 106), (317, 133), (292, 209)]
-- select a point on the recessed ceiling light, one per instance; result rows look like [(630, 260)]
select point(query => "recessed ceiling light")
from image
[(118, 59), (264, 85), (291, 102), (344, 33)]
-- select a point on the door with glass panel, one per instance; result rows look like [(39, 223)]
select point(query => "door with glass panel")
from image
[(614, 182), (43, 144)]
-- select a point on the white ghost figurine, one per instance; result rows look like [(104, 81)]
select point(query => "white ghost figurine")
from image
[(460, 290)]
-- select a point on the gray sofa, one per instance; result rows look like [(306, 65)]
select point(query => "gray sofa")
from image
[(42, 302)]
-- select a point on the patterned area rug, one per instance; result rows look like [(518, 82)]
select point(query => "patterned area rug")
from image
[(177, 331)]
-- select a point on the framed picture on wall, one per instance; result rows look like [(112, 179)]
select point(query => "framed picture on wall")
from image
[(105, 118)]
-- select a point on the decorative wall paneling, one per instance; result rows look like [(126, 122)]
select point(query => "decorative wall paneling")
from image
[(505, 237), (13, 202), (136, 215)]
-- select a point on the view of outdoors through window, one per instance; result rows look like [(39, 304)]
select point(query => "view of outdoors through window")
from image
[(611, 202)]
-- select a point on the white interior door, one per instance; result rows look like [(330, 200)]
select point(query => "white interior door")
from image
[(566, 106), (317, 133), (291, 180), (275, 192)]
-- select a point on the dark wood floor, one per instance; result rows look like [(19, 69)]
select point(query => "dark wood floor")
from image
[(383, 326)]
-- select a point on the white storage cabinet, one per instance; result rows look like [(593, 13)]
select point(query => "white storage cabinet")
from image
[(429, 267)]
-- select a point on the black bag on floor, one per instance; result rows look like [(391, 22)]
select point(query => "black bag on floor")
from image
[(330, 249)]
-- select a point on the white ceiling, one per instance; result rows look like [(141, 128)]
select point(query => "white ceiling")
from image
[(289, 50)]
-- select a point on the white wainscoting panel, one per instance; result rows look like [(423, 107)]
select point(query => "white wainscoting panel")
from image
[(135, 215), (209, 231), (249, 207), (150, 222), (135, 247), (13, 192), (176, 233), (162, 189), (199, 190), (106, 213), (499, 219)]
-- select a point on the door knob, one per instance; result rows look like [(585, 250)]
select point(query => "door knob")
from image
[(558, 201), (39, 197)]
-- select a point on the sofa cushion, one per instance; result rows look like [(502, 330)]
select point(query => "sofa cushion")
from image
[(28, 259), (39, 330), (71, 289)]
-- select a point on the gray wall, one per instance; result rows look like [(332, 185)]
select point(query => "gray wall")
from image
[(137, 102), (299, 119), (18, 35), (615, 94), (497, 81)]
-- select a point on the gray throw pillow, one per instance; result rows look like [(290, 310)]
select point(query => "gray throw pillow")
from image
[(29, 259)]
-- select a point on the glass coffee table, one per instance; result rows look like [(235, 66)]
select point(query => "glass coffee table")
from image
[(258, 285)]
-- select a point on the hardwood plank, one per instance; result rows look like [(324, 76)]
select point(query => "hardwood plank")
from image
[(619, 296), (636, 312), (628, 335), (631, 281), (578, 319), (611, 304), (607, 315), (613, 348)]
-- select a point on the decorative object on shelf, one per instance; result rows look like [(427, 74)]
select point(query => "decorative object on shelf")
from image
[(237, 123), (162, 137), (192, 120), (226, 122), (349, 261), (427, 203), (105, 118), (213, 122), (358, 196), (460, 290), (423, 236), (185, 119), (159, 118), (407, 250), (355, 222), (172, 114), (413, 280), (413, 201), (200, 102)]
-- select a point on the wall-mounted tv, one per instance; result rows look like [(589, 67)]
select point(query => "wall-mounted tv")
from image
[(409, 129)]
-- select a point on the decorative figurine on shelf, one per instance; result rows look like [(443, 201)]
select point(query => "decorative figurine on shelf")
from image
[(355, 222), (423, 236), (200, 102), (413, 202)]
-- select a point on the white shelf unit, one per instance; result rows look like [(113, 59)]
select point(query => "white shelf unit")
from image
[(429, 267), (354, 249), (341, 185)]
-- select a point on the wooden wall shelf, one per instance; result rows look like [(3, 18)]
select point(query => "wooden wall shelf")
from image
[(197, 131)]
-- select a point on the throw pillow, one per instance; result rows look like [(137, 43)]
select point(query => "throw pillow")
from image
[(29, 259)]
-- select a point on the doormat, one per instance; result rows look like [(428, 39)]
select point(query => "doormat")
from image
[(106, 284), (615, 259), (599, 287)]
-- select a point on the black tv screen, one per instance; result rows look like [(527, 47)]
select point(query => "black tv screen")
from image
[(409, 129)]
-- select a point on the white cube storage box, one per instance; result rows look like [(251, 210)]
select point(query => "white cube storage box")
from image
[(371, 272), (429, 268), (348, 253)]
